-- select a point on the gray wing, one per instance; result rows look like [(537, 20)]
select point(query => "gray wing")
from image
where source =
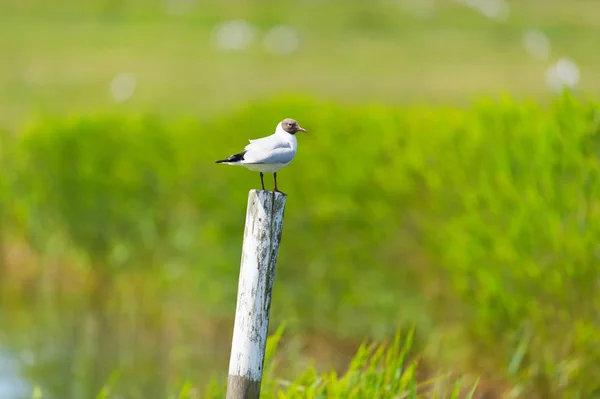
[(271, 149)]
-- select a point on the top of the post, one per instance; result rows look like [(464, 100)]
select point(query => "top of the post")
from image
[(271, 200), (261, 193)]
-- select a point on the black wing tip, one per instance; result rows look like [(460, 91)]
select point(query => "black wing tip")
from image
[(233, 158)]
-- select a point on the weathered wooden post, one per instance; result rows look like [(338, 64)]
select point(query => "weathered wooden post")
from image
[(262, 235)]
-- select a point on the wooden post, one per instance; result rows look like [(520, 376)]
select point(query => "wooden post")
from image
[(262, 235)]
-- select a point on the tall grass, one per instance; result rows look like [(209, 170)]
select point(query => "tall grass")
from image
[(376, 371), (383, 370), (478, 225)]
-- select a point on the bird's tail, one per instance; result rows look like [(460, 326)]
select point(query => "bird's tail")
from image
[(233, 158)]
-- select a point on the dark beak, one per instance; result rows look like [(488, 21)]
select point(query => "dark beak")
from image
[(301, 129)]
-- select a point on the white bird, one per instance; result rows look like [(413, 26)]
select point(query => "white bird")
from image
[(269, 154)]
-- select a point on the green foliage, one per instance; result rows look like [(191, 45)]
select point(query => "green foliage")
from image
[(4, 179), (4, 193), (376, 371), (107, 185), (486, 218)]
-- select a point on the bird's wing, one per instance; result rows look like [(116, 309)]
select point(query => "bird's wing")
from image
[(280, 155), (272, 140), (271, 149)]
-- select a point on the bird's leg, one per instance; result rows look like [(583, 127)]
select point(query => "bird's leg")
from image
[(262, 180), (275, 179)]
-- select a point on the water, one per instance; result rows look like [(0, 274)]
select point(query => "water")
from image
[(72, 351), (134, 337), (13, 385)]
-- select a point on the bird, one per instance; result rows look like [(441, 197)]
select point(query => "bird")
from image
[(271, 153)]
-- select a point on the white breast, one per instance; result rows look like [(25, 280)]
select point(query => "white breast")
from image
[(291, 138)]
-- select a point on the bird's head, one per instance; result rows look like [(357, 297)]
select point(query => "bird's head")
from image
[(291, 126)]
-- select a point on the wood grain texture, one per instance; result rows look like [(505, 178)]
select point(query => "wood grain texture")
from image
[(262, 235), (242, 388)]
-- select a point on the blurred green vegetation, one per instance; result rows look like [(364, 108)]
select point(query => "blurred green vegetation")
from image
[(61, 57), (375, 371), (476, 222), (477, 225)]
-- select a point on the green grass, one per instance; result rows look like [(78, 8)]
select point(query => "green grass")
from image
[(477, 225), (476, 222), (63, 57), (376, 371)]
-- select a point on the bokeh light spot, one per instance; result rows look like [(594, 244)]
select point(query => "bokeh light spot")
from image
[(536, 43), (122, 86), (234, 35), (563, 74), (281, 40), (493, 9)]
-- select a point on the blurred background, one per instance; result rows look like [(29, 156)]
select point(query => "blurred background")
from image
[(447, 184)]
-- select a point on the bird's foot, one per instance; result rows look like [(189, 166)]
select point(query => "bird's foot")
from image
[(280, 192)]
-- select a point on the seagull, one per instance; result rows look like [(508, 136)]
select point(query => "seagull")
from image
[(269, 154)]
